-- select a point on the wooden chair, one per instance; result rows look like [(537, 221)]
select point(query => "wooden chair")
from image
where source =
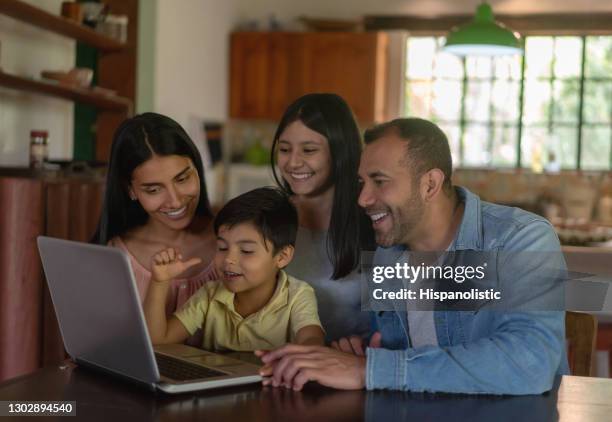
[(580, 333)]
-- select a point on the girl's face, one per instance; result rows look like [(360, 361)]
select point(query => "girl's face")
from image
[(304, 159), (168, 188)]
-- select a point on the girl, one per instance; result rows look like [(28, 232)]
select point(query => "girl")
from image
[(317, 149)]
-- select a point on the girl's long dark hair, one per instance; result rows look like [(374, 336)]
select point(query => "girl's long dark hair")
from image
[(350, 231), (136, 140)]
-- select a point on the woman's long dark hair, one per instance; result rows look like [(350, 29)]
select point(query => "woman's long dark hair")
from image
[(136, 140), (350, 231)]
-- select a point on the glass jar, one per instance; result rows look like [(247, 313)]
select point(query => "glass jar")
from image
[(39, 150)]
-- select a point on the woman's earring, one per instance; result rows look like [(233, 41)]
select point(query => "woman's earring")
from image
[(133, 197)]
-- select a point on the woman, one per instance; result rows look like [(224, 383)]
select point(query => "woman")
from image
[(317, 148), (156, 198)]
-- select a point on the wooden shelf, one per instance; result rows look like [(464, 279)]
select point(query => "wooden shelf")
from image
[(82, 95), (58, 24)]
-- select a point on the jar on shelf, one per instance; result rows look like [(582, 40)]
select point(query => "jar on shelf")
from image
[(114, 26), (39, 149)]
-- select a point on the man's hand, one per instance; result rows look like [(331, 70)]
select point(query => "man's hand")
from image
[(168, 264), (294, 365), (354, 344)]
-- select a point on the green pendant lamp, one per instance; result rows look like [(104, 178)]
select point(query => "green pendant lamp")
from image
[(483, 37)]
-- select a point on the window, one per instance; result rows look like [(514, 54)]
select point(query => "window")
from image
[(550, 108)]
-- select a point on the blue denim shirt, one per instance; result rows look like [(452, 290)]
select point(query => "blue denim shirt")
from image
[(492, 352)]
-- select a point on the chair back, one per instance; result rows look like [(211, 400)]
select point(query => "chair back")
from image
[(580, 333)]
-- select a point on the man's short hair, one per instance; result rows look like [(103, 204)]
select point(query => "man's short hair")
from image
[(426, 147), (268, 209)]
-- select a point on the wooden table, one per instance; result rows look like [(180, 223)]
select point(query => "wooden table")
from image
[(104, 398)]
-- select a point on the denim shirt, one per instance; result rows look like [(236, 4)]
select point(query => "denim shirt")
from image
[(489, 352)]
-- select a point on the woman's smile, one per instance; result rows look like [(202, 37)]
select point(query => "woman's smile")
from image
[(176, 214), (301, 176)]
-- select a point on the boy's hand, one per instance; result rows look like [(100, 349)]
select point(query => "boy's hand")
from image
[(168, 264), (355, 345)]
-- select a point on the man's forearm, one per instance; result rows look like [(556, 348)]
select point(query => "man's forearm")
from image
[(522, 358)]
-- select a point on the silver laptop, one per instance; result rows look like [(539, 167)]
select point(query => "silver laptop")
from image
[(103, 325)]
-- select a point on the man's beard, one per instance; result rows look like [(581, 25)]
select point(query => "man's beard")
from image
[(405, 220)]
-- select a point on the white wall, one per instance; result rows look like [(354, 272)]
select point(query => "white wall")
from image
[(25, 51), (145, 81), (191, 58)]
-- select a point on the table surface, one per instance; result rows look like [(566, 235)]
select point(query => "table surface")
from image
[(102, 397)]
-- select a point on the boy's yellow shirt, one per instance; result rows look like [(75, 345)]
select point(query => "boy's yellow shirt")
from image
[(292, 307)]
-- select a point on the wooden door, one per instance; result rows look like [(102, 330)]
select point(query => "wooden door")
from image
[(249, 68)]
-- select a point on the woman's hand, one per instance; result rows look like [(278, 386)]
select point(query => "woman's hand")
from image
[(169, 264)]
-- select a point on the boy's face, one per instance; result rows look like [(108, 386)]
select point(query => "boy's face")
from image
[(244, 261)]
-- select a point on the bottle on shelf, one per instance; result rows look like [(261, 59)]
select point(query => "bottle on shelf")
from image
[(39, 148)]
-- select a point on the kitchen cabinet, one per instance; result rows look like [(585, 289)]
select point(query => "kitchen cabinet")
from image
[(270, 70), (351, 65), (260, 74), (37, 203)]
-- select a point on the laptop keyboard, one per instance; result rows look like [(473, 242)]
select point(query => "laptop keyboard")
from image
[(180, 370)]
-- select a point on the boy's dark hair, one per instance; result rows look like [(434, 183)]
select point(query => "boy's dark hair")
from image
[(426, 146), (268, 209)]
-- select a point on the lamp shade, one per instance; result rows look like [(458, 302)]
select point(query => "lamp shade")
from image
[(483, 36)]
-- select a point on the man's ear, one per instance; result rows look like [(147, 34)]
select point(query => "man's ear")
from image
[(431, 184), (284, 256)]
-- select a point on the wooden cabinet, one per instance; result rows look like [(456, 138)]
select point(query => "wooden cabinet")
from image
[(269, 70), (250, 75), (37, 204), (351, 65), (260, 74)]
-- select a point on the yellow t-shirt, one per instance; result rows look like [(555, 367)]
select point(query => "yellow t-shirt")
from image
[(292, 307)]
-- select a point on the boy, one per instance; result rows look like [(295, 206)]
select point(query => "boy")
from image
[(255, 305)]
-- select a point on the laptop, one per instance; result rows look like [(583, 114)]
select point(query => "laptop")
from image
[(102, 323)]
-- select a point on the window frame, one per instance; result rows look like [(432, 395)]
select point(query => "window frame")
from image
[(551, 25)]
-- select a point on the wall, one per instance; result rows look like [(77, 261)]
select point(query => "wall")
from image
[(21, 112), (145, 82), (351, 9), (191, 58)]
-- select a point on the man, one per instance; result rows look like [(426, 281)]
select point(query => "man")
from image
[(405, 172)]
